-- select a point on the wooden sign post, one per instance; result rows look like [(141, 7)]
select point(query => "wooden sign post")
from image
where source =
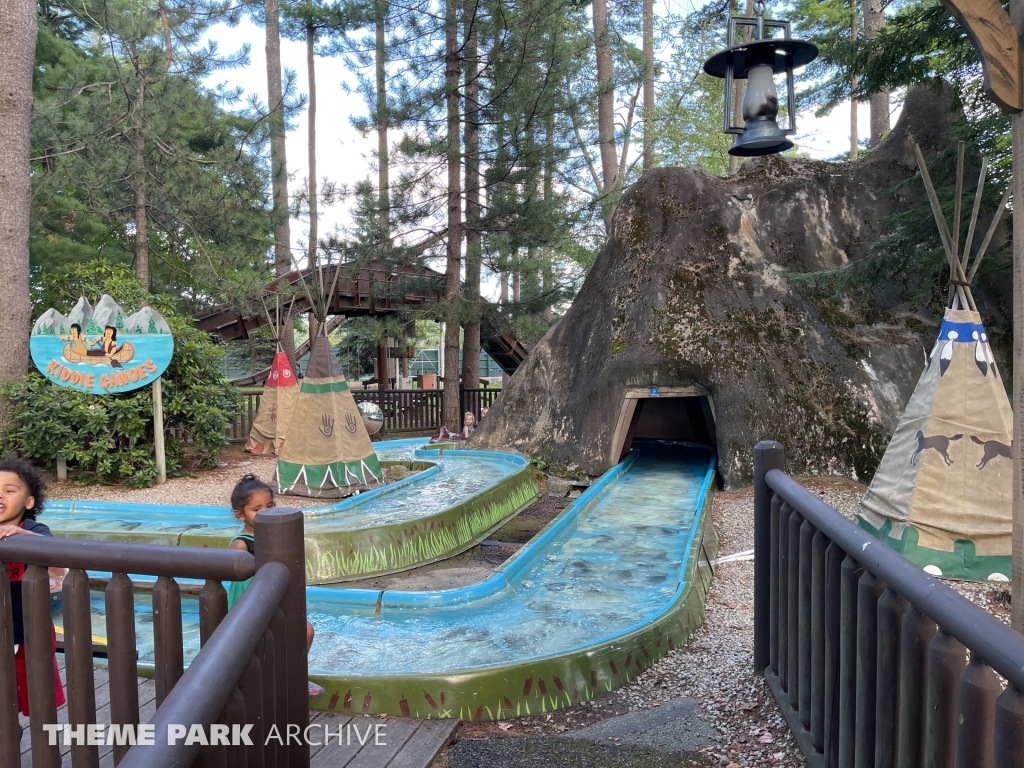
[(158, 431)]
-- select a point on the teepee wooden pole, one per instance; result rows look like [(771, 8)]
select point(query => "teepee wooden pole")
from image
[(966, 256), (956, 272), (957, 202), (330, 296), (302, 281), (991, 231), (270, 322)]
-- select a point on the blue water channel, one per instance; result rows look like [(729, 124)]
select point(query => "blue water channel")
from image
[(459, 475), (611, 562)]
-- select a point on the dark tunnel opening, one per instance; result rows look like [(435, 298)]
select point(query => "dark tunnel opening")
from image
[(681, 419)]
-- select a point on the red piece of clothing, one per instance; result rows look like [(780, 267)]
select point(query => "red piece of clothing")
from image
[(22, 674), (15, 573)]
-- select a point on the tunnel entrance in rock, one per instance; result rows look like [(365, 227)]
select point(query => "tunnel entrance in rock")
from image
[(681, 414)]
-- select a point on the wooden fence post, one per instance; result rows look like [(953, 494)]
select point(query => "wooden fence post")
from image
[(768, 454)]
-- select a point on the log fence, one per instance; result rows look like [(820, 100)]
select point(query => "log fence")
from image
[(874, 663), (251, 667)]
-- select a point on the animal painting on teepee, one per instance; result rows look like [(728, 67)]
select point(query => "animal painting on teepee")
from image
[(942, 495), (278, 401), (328, 453)]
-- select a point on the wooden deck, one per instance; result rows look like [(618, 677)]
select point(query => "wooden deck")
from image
[(404, 743)]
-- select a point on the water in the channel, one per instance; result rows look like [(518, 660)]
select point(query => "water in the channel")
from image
[(616, 566), (460, 476)]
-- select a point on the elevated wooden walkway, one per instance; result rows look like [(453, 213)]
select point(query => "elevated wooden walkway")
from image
[(403, 743)]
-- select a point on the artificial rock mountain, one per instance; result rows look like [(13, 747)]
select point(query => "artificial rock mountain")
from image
[(694, 287)]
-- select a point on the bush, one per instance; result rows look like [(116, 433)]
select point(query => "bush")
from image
[(109, 438)]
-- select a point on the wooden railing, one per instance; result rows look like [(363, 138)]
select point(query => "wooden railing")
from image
[(251, 668), (866, 653), (476, 399), (405, 410)]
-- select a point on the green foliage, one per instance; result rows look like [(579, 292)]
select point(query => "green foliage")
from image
[(688, 113), (921, 44), (118, 113), (109, 438)]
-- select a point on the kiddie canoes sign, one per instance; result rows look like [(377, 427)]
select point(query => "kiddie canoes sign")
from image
[(101, 350)]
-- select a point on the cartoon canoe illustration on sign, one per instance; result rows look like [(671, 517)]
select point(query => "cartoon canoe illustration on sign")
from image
[(122, 354)]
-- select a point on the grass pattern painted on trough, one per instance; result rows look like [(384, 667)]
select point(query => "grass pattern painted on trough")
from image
[(346, 555)]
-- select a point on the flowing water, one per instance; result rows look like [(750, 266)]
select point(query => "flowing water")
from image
[(615, 564)]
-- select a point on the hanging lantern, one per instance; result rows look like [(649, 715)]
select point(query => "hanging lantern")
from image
[(757, 60)]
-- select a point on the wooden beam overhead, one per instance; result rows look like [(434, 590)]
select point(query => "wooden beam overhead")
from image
[(998, 47)]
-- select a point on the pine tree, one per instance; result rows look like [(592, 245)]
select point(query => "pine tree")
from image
[(151, 328), (198, 189)]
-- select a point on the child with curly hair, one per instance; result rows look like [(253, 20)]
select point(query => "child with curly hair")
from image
[(22, 493)]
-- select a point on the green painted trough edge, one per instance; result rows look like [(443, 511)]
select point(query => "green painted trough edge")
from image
[(545, 684), (346, 555)]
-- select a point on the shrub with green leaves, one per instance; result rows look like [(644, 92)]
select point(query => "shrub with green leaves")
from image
[(109, 438)]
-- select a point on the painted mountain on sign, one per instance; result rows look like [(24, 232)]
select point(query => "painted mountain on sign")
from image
[(92, 321)]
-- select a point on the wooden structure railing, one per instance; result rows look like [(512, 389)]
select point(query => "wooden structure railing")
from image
[(866, 653), (361, 289), (251, 668), (405, 410)]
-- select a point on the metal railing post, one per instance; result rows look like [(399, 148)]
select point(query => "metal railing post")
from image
[(768, 454), (279, 538)]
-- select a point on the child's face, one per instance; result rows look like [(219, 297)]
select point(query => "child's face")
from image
[(14, 498), (471, 419), (258, 501)]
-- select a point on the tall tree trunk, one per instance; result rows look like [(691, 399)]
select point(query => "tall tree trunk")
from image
[(605, 111), (18, 41), (873, 22), (549, 189), (503, 295), (383, 367), (854, 136), (278, 159), (139, 183), (312, 185), (648, 53), (471, 332), (515, 286), (381, 118), (453, 277)]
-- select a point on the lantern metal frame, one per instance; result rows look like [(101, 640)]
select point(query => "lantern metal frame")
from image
[(760, 24), (783, 55)]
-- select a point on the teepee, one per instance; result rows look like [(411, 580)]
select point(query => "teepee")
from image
[(278, 400), (942, 495), (328, 453)]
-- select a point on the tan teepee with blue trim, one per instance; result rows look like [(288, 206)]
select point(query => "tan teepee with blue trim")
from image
[(942, 495)]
